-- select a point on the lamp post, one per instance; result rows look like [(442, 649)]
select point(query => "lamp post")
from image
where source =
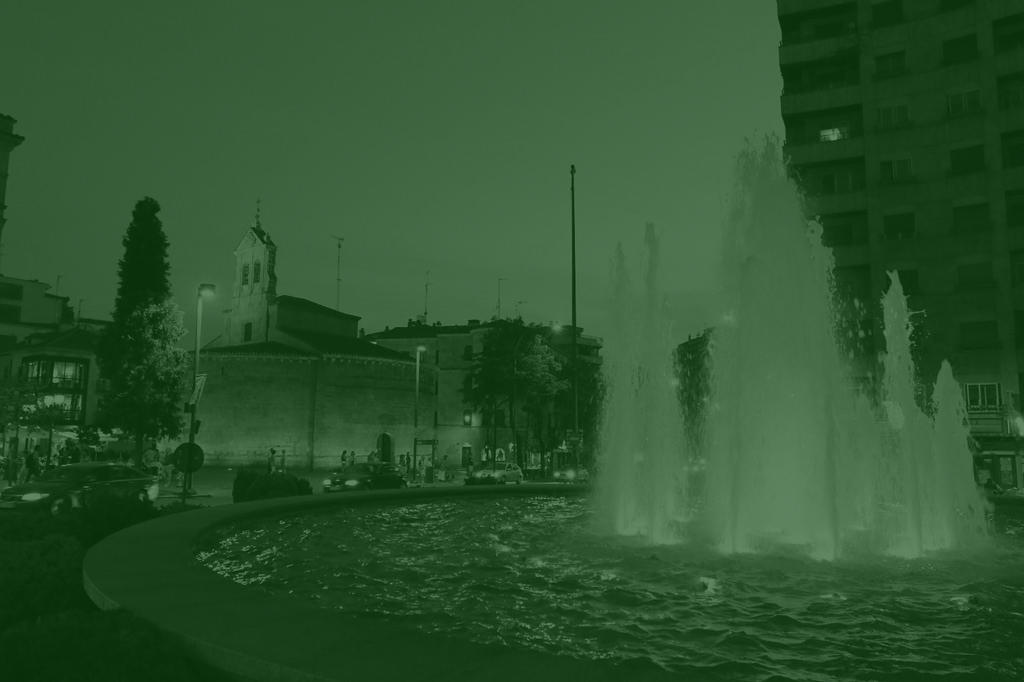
[(416, 407), (515, 379), (205, 291), (575, 332)]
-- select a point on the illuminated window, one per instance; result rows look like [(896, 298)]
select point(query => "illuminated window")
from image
[(833, 134), (245, 274), (981, 396)]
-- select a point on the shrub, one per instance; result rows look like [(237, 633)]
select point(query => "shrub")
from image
[(244, 479), (96, 645), (40, 577), (267, 486)]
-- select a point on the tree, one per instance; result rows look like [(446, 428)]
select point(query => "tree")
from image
[(146, 389), (136, 353), (513, 359)]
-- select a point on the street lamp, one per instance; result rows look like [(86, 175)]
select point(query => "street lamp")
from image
[(515, 377), (205, 291), (416, 407)]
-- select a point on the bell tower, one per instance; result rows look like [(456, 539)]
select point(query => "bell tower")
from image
[(254, 288)]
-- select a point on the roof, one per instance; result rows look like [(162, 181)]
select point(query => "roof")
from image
[(301, 303), (424, 331), (271, 348), (330, 344), (74, 339)]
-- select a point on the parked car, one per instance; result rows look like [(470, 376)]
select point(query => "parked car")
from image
[(580, 475), (368, 476), (501, 474), (73, 485)]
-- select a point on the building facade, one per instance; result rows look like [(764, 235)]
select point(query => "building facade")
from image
[(462, 432), (8, 141), (293, 375), (905, 128)]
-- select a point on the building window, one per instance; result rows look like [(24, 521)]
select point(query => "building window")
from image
[(1015, 208), (960, 50), (1010, 90), (467, 418), (982, 396), (844, 229), (967, 159), (1013, 149), (960, 103), (971, 218), (853, 282), (247, 332), (974, 275), (909, 282), (11, 292), (897, 170), (892, 116), (10, 313), (68, 375), (890, 65), (834, 134), (1017, 268), (887, 13), (256, 273), (899, 226), (245, 274), (979, 334), (1008, 33)]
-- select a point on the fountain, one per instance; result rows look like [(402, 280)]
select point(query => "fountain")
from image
[(796, 456)]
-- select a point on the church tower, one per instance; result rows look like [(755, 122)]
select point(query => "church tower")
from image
[(254, 289), (8, 141)]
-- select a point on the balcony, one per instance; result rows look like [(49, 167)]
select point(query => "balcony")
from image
[(813, 149), (45, 385), (811, 49), (804, 101)]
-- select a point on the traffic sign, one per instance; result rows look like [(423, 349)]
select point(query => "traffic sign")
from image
[(195, 462), (197, 392)]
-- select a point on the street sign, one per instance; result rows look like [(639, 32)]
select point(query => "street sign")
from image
[(573, 437), (195, 461), (197, 392)]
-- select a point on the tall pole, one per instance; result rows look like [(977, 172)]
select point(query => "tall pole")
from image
[(426, 295), (575, 368), (186, 482), (416, 410), (337, 277)]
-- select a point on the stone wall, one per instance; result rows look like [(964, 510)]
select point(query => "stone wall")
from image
[(251, 404)]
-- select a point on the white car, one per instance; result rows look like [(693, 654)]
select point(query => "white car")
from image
[(500, 474), (572, 476)]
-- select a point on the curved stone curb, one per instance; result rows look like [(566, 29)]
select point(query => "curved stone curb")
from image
[(151, 570)]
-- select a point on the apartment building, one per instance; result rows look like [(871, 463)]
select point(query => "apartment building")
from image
[(905, 127)]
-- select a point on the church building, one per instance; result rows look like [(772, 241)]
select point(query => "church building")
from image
[(293, 375)]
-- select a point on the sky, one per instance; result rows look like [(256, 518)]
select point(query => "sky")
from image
[(432, 136)]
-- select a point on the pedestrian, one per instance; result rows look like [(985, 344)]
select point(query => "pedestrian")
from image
[(151, 459), (270, 460), (444, 468), (32, 464), (401, 462), (408, 463), (469, 467)]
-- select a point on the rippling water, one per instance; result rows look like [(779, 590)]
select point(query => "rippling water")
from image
[(533, 573)]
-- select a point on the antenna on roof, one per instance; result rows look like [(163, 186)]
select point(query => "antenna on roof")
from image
[(337, 283), (426, 295)]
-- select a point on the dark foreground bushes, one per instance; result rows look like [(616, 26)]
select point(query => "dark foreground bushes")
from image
[(49, 628), (252, 484), (94, 645)]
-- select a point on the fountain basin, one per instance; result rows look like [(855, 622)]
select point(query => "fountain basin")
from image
[(151, 570)]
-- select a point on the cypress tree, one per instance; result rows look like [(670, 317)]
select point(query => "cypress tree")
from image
[(138, 354)]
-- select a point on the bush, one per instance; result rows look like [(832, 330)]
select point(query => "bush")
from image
[(244, 479), (40, 577), (96, 645), (267, 486)]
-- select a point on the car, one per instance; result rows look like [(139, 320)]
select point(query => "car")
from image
[(571, 475), (73, 486), (500, 474), (366, 476)]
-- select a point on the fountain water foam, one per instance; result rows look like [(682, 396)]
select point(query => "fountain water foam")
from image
[(795, 455)]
